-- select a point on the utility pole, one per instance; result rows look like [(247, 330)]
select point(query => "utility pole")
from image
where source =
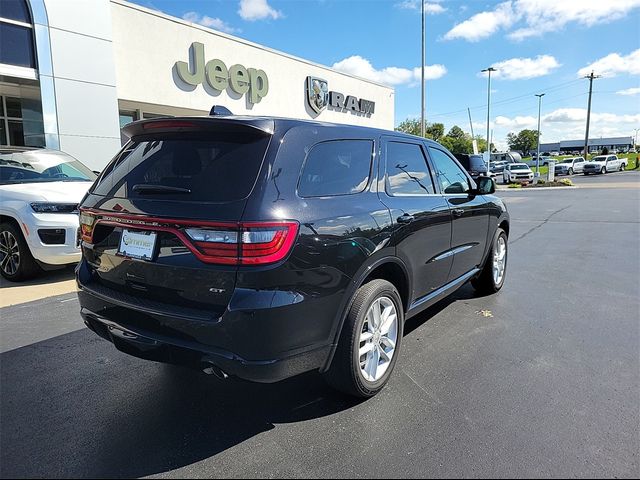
[(489, 70), (422, 119), (474, 142), (539, 95), (635, 141), (591, 78)]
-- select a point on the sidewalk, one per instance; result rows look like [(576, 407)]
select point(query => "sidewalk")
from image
[(47, 284)]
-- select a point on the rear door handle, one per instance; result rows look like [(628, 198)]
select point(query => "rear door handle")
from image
[(458, 212), (406, 218)]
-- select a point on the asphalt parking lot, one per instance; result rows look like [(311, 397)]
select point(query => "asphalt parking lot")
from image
[(542, 379)]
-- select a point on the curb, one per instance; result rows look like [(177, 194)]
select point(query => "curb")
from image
[(506, 189)]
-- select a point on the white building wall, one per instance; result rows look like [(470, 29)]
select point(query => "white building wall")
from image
[(147, 45), (84, 80)]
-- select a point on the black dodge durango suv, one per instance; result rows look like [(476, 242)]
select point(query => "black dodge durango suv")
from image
[(262, 248)]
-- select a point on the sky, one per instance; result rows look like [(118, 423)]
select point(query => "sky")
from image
[(537, 46)]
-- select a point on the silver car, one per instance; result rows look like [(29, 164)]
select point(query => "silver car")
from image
[(569, 166)]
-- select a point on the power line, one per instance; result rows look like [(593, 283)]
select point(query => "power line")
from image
[(508, 100)]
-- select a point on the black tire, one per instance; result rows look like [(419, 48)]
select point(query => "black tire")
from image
[(344, 374), (570, 172), (26, 267), (484, 282), (622, 167), (603, 170)]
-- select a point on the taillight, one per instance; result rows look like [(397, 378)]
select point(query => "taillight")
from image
[(218, 245), (252, 243), (87, 222)]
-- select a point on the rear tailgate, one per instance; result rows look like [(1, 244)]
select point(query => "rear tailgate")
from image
[(147, 221)]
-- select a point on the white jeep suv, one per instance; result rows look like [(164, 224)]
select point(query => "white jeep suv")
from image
[(517, 173), (39, 192)]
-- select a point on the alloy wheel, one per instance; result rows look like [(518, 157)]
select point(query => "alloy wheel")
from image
[(499, 260), (9, 253), (378, 338)]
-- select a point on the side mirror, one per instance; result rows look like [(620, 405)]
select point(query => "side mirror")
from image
[(485, 185)]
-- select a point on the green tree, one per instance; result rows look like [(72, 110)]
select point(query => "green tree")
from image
[(434, 131), (457, 141), (525, 141), (456, 132)]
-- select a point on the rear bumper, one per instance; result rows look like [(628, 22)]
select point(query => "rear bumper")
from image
[(261, 336), (190, 354)]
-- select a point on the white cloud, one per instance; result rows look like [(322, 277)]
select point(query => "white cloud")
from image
[(215, 23), (257, 10), (483, 24), (523, 68), (629, 91), (518, 122), (569, 124), (361, 67), (532, 18), (430, 8), (614, 64)]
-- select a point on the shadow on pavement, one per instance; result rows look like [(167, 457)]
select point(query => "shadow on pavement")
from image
[(73, 406), (43, 278)]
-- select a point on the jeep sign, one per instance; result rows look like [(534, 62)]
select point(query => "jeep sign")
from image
[(240, 79)]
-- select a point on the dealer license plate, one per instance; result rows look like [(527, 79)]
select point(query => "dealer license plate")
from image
[(137, 244)]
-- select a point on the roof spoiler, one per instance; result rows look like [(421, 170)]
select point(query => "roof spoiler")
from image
[(189, 124), (218, 110)]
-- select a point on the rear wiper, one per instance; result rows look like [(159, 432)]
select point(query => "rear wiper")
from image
[(146, 188)]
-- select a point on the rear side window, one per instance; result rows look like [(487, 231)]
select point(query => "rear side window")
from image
[(340, 167), (198, 167), (407, 171)]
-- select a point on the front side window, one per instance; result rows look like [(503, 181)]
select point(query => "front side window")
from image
[(340, 167), (450, 176), (407, 171)]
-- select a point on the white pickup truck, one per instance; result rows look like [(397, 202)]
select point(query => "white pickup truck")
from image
[(605, 164)]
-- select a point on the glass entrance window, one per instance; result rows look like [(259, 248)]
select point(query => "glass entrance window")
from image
[(21, 122), (16, 34)]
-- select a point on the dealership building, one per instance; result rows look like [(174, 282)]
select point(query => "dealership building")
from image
[(72, 73), (595, 145)]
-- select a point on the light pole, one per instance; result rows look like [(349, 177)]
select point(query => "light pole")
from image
[(635, 141), (539, 95), (489, 70), (422, 126)]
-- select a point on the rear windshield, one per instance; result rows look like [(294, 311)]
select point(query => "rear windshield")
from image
[(197, 167)]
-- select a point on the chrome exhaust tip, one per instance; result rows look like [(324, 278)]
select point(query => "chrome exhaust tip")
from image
[(213, 370)]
